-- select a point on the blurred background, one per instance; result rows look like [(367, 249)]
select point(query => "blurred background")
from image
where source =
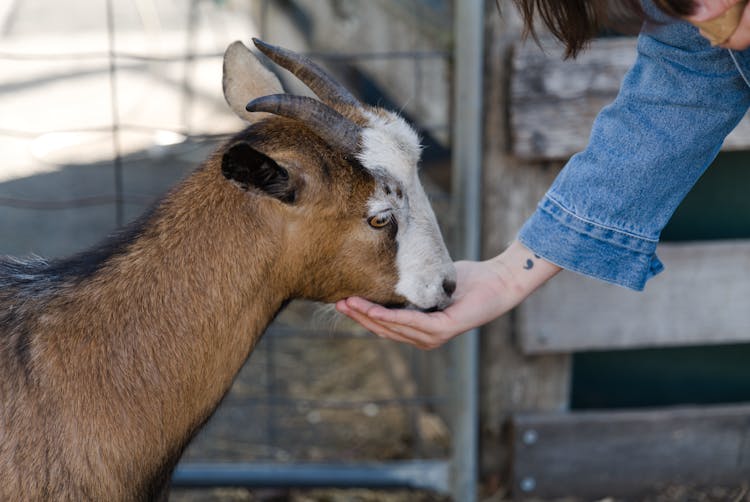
[(105, 105), (586, 392)]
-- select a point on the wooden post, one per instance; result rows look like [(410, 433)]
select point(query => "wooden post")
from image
[(509, 381)]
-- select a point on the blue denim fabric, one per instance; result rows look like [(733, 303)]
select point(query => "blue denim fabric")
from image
[(604, 213)]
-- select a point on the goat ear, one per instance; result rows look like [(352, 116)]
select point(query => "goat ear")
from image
[(245, 78), (249, 168)]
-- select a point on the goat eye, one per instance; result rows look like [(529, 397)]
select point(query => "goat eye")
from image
[(379, 221)]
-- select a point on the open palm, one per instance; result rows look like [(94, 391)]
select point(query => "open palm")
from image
[(481, 295)]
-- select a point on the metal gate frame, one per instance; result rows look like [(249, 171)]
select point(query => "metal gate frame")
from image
[(458, 475)]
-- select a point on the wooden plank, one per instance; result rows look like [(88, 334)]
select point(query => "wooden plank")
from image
[(703, 297), (624, 453), (554, 102)]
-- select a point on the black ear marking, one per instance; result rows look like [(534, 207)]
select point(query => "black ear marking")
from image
[(248, 168)]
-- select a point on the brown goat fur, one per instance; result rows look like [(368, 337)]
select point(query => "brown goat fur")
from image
[(112, 360)]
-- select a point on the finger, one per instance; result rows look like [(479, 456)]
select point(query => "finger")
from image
[(419, 340), (402, 333), (364, 306), (420, 321), (395, 332), (373, 326)]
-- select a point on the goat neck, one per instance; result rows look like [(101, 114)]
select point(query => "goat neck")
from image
[(156, 364)]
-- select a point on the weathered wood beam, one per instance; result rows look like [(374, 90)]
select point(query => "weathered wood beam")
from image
[(510, 381), (703, 297), (553, 102), (626, 453)]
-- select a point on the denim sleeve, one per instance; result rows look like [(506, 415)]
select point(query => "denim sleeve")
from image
[(603, 215)]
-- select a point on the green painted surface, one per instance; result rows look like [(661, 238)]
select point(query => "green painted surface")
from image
[(717, 208), (659, 377)]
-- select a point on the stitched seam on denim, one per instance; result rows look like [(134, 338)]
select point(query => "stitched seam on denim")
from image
[(632, 283), (636, 285), (603, 227), (739, 68)]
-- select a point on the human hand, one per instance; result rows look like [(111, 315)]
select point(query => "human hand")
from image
[(725, 23), (479, 298), (484, 291)]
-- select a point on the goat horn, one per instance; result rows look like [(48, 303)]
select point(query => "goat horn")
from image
[(313, 76), (327, 123)]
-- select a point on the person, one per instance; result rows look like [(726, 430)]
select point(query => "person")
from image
[(603, 214)]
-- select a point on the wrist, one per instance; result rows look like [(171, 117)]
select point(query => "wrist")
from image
[(521, 271)]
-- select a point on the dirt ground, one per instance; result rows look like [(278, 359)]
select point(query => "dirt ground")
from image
[(665, 494), (670, 494), (240, 495)]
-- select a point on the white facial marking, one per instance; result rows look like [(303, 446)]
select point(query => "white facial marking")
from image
[(391, 151)]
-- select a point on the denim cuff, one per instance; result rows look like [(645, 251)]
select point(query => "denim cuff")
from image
[(573, 243)]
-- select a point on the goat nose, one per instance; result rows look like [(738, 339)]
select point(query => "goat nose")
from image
[(449, 286)]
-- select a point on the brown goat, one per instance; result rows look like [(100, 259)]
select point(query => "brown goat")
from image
[(112, 360)]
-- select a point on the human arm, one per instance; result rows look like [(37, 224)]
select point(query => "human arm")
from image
[(604, 214), (485, 290)]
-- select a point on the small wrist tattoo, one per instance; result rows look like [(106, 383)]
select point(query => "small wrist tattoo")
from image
[(530, 263)]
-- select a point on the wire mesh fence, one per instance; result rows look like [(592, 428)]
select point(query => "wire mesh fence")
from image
[(103, 106)]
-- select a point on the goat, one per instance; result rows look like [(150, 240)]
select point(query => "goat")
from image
[(112, 360)]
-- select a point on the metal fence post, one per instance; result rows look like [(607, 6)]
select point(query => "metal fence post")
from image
[(467, 180)]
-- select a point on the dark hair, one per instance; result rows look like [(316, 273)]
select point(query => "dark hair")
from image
[(576, 22), (676, 8)]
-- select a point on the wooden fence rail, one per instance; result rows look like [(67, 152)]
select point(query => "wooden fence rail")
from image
[(599, 454), (703, 297), (553, 102)]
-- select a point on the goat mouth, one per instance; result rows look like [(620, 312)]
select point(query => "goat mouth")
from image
[(442, 305), (431, 310), (425, 310), (411, 306), (397, 305)]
